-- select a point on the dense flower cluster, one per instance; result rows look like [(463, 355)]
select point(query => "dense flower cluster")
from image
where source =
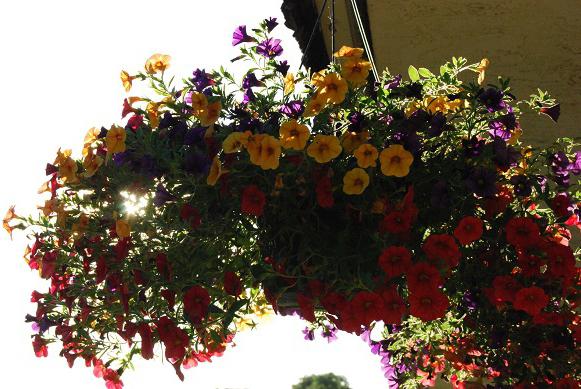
[(407, 204)]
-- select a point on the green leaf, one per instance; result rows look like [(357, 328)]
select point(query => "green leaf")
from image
[(413, 73), (237, 58), (425, 73), (443, 70)]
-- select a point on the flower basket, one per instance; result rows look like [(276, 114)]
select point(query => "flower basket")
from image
[(407, 206)]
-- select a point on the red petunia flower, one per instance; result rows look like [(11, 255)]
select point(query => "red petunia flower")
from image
[(163, 266), (174, 338), (112, 379), (531, 300), (39, 346), (135, 122), (561, 205), (324, 190), (306, 306), (423, 276), (395, 260), (232, 284), (530, 264), (367, 306), (561, 261), (396, 222), (101, 269), (170, 297), (469, 230), (48, 264), (504, 289), (393, 307), (333, 302), (442, 248), (191, 215), (567, 383), (146, 340), (522, 232), (196, 302), (428, 304), (253, 200)]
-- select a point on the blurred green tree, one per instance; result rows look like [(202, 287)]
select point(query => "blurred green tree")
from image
[(322, 381)]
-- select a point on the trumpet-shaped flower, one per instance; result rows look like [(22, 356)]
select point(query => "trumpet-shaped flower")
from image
[(348, 52), (333, 88), (352, 140), (355, 181), (269, 153), (356, 71), (315, 105), (395, 161), (235, 142), (198, 101), (91, 163), (122, 229), (324, 148), (216, 171), (294, 135), (115, 140), (10, 215), (210, 114), (127, 80), (366, 156), (68, 171), (157, 63)]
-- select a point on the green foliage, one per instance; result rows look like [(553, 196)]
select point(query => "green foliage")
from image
[(322, 381)]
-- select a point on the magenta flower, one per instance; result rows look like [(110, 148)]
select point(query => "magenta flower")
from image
[(270, 24), (269, 48), (240, 36)]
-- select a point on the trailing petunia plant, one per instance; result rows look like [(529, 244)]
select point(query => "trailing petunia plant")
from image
[(408, 207)]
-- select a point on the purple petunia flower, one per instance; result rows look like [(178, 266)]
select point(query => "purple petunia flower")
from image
[(201, 80), (240, 36), (505, 156), (269, 48), (492, 99), (250, 81), (330, 333), (309, 334), (473, 147), (499, 130), (357, 120), (270, 24), (162, 196), (197, 163), (293, 109), (440, 195), (282, 67), (394, 82), (194, 136), (553, 112), (522, 185), (482, 182), (437, 124), (575, 166), (410, 141)]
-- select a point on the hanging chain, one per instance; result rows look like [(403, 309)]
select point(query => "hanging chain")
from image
[(312, 34), (332, 17), (364, 38)]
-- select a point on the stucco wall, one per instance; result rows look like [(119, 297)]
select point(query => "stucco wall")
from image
[(535, 42)]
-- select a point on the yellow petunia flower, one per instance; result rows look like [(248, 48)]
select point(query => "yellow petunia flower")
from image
[(481, 69), (127, 80), (395, 161), (355, 181), (289, 83), (115, 140), (122, 229), (356, 71), (334, 88), (210, 114), (352, 140), (68, 171), (91, 163), (441, 104), (216, 171), (324, 148), (152, 110), (348, 52), (199, 102), (157, 63), (61, 156), (254, 147), (294, 135), (314, 106), (366, 155), (268, 153), (235, 142), (90, 137), (317, 79)]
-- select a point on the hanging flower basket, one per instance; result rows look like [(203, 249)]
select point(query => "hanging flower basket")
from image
[(412, 205)]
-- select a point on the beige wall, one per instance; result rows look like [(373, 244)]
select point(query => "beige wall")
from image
[(535, 42)]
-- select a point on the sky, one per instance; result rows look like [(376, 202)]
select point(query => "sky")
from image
[(60, 63)]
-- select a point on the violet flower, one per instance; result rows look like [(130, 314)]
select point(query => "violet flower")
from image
[(473, 147), (553, 112), (270, 24), (248, 96), (250, 81), (293, 109), (522, 185), (482, 182), (498, 130), (162, 196), (194, 136), (240, 36), (492, 99), (282, 67), (394, 82), (329, 332), (269, 48), (201, 80), (309, 334), (357, 121)]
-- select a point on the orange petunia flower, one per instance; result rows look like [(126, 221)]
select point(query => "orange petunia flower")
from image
[(92, 163), (315, 105), (324, 148), (396, 161), (294, 135), (10, 215), (366, 156), (68, 171), (334, 88), (348, 52), (356, 71), (127, 80), (216, 171), (122, 229), (115, 140), (355, 181), (199, 102), (157, 63), (235, 142), (210, 114)]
